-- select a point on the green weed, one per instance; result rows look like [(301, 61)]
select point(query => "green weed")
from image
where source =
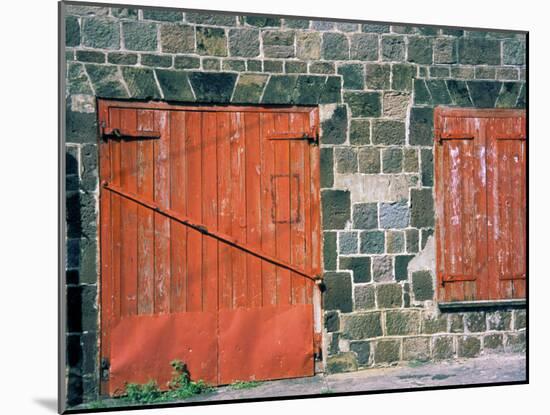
[(180, 387), (244, 385)]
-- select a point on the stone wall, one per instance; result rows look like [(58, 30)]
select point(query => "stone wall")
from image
[(376, 85)]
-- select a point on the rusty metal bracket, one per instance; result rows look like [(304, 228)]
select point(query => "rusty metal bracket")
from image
[(184, 220), (128, 134)]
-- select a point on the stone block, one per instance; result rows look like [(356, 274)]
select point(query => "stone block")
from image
[(327, 167), (456, 322), (295, 67), (395, 242), (411, 239), (520, 319), (332, 321), (100, 32), (515, 342), (362, 350), (401, 264), (107, 81), (433, 324), (322, 67), (359, 326), (416, 348), (177, 38), (121, 58), (157, 61), (335, 46), (276, 67), (365, 216), (388, 132), (499, 320), (493, 342), (343, 362), (468, 346), (477, 51), (360, 265), (443, 347), (336, 206), (423, 287), (484, 93), (364, 297), (445, 50), (395, 104), (382, 268), (420, 50), (347, 244), (139, 36), (296, 23), (513, 52), (372, 242), (237, 65), (459, 93), (308, 45), (402, 77), (211, 41), (208, 18), (124, 13), (508, 95), (334, 128), (329, 250), (72, 31), (249, 88), (211, 64), (212, 87), (338, 294), (363, 104), (359, 132), (378, 76), (353, 76), (402, 322), (389, 295), (368, 159), (364, 47), (141, 83), (263, 21), (175, 85), (421, 126), (392, 160), (162, 15), (393, 48), (394, 215), (375, 28), (422, 208), (410, 160), (438, 91), (387, 351)]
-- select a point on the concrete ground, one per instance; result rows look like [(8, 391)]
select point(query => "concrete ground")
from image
[(486, 369)]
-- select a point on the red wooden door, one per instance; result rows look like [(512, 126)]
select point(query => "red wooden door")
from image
[(210, 242), (480, 183)]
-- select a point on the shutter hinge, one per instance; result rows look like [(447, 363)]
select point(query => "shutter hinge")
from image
[(312, 137), (105, 366), (126, 134)]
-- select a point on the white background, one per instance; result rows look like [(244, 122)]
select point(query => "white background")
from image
[(28, 204)]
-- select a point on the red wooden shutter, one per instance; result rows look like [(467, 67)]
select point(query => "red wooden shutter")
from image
[(506, 178), (480, 204)]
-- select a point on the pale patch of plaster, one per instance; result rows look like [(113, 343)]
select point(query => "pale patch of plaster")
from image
[(425, 259), (368, 188), (82, 103)]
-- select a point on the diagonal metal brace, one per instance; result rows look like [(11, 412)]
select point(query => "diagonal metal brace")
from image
[(184, 220)]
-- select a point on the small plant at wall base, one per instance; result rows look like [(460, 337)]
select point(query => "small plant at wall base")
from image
[(180, 387), (244, 384)]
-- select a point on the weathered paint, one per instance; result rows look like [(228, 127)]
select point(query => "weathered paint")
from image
[(210, 228), (480, 203)]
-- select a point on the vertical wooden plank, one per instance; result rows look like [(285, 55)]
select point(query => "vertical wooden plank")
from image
[(209, 178), (178, 202), (481, 267), (193, 122), (297, 210), (468, 218), (269, 273), (105, 241), (505, 231), (128, 211), (520, 230), (238, 202), (162, 224), (223, 155), (282, 208), (253, 206), (115, 218), (309, 122), (145, 231)]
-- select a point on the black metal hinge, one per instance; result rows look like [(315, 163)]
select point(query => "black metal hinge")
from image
[(312, 137), (105, 366)]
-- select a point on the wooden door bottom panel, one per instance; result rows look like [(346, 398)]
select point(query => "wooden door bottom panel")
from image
[(274, 342), (143, 346)]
